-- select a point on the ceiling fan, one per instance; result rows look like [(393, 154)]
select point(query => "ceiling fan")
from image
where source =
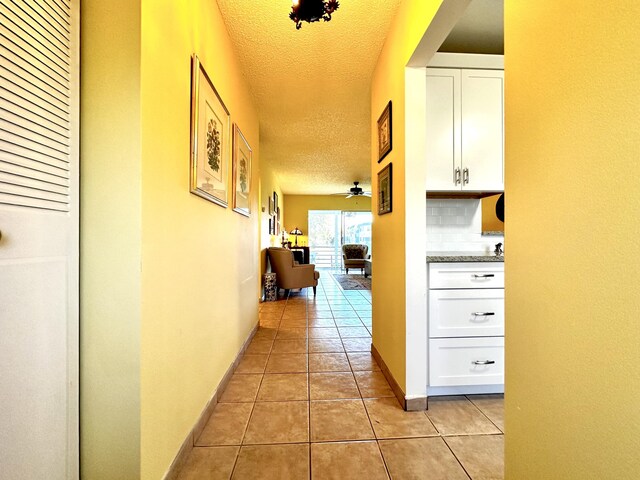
[(355, 191)]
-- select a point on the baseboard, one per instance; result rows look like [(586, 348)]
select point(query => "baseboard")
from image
[(185, 449), (411, 404)]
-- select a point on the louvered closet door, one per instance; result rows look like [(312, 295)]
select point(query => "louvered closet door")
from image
[(39, 239)]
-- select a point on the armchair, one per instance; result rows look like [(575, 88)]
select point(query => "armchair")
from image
[(354, 256), (288, 273)]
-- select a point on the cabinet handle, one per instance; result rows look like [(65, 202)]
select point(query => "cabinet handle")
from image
[(483, 362), (456, 176), (465, 176), (483, 275), (482, 314)]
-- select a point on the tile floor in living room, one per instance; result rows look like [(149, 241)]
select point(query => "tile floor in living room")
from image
[(309, 401)]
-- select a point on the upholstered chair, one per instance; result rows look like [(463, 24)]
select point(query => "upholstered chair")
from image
[(289, 274), (354, 255)]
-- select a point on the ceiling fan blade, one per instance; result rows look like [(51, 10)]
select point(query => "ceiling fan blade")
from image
[(350, 195), (367, 194)]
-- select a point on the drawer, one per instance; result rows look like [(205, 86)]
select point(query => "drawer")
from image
[(466, 313), (466, 361), (466, 275)]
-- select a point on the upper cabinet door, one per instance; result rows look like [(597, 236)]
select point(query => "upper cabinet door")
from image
[(483, 130), (443, 129)]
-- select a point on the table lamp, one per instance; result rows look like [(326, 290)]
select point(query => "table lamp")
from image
[(296, 231)]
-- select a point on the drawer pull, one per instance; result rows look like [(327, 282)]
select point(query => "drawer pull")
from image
[(482, 314), (483, 275), (483, 362)]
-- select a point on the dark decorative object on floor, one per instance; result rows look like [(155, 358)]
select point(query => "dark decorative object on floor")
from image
[(353, 282), (312, 11)]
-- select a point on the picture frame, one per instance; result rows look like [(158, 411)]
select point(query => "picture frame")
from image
[(385, 133), (275, 202), (270, 205), (241, 159), (210, 139), (385, 190)]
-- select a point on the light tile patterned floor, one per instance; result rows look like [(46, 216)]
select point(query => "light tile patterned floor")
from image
[(308, 401)]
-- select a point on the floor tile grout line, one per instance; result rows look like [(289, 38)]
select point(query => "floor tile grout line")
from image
[(456, 457), (485, 415)]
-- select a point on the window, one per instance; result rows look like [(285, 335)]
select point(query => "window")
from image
[(330, 229)]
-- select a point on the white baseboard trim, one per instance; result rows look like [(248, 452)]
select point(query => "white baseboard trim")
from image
[(185, 449)]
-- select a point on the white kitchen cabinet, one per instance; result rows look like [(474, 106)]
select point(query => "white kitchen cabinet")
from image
[(466, 313), (466, 327), (465, 130), (473, 361)]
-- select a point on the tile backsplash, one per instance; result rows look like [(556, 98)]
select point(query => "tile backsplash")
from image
[(456, 225)]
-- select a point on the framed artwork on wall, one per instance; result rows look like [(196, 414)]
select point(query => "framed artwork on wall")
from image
[(242, 155), (275, 202), (270, 205), (210, 138), (385, 137), (385, 190)]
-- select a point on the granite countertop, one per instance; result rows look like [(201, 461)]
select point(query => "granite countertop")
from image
[(442, 257)]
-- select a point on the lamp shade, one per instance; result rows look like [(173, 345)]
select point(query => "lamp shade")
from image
[(295, 231)]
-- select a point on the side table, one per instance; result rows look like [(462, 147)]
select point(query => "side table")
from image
[(367, 268), (270, 287)]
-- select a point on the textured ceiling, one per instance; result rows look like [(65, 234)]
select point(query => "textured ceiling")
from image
[(312, 88)]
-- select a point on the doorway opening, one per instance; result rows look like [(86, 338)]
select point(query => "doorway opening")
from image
[(330, 229)]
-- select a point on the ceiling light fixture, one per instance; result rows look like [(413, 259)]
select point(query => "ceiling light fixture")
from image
[(312, 11)]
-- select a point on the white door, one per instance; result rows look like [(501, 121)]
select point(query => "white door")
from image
[(39, 239), (483, 130), (443, 129)]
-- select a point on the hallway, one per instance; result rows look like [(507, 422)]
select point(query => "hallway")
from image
[(309, 401)]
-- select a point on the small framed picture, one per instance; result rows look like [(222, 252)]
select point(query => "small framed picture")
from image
[(385, 187), (241, 173), (275, 202), (270, 205), (385, 137)]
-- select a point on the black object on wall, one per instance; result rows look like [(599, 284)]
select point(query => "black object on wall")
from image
[(500, 208)]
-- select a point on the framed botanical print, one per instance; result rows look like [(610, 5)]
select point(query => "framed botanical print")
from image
[(210, 138), (242, 155), (385, 137), (385, 187)]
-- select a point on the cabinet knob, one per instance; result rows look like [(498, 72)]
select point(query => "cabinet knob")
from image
[(482, 314), (465, 176), (483, 362), (456, 176), (483, 275)]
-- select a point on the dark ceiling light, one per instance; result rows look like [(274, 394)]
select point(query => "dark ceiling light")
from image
[(312, 11)]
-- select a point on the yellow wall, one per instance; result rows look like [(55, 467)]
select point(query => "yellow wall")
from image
[(169, 281), (490, 222), (573, 264), (298, 207), (110, 240), (268, 184), (199, 261), (388, 231)]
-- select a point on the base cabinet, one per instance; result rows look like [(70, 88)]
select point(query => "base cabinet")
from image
[(466, 327), (466, 361)]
